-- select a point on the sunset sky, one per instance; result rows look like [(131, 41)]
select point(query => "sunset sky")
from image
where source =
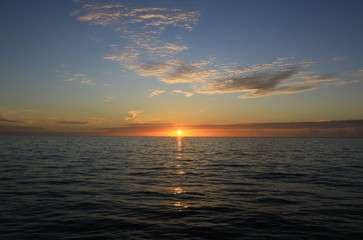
[(209, 67)]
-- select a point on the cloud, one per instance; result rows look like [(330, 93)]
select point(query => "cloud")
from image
[(155, 92), (280, 90), (117, 14), (258, 81), (145, 52), (174, 48), (277, 77), (88, 82), (125, 58), (164, 50), (81, 78), (169, 71), (99, 14), (279, 62), (176, 71), (69, 122), (165, 17), (74, 77), (108, 98), (131, 115), (339, 58), (341, 128), (21, 130), (4, 118), (137, 130), (185, 93)]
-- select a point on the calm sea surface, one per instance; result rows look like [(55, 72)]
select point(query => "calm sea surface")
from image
[(180, 188)]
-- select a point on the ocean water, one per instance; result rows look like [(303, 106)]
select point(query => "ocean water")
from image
[(180, 188)]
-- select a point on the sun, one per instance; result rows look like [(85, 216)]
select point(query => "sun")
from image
[(179, 132)]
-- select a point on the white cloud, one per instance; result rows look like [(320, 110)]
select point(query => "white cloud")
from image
[(72, 122), (5, 118), (88, 82), (108, 98), (176, 71), (81, 78), (155, 92), (280, 90), (147, 54), (131, 115), (74, 77), (185, 93), (339, 58), (165, 50), (174, 47), (277, 77), (125, 58), (99, 14)]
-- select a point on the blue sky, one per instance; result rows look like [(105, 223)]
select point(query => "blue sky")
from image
[(88, 65)]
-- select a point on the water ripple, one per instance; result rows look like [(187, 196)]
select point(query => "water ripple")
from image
[(180, 188)]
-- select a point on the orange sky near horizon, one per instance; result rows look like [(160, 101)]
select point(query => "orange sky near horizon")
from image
[(302, 129), (347, 128)]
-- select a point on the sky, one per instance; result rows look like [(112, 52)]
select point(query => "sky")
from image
[(258, 68)]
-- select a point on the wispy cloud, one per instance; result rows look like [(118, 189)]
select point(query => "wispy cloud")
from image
[(18, 116), (146, 53), (176, 71), (21, 130), (339, 58), (81, 78), (140, 26), (342, 128), (131, 115), (4, 118), (108, 98), (277, 77), (70, 122), (185, 93), (155, 92), (119, 15)]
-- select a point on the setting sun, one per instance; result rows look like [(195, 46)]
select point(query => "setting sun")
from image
[(179, 132)]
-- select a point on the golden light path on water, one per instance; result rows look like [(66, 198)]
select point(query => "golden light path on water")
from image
[(178, 190)]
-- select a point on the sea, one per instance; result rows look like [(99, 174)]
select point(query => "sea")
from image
[(180, 188)]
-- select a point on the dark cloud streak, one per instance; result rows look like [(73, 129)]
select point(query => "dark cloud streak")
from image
[(72, 122), (342, 128), (2, 119)]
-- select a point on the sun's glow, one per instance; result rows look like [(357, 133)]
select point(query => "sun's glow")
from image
[(179, 132)]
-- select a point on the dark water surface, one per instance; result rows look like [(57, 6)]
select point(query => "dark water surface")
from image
[(186, 188)]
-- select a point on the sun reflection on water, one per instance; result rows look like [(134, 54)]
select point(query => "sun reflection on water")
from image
[(180, 172), (179, 144), (179, 190), (180, 205)]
